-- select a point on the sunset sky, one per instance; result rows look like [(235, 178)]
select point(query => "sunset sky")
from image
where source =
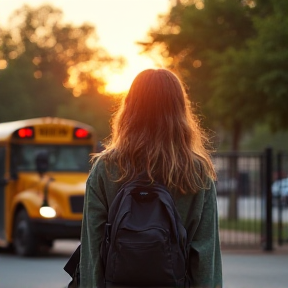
[(119, 24)]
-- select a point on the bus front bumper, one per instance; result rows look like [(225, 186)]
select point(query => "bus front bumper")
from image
[(57, 228)]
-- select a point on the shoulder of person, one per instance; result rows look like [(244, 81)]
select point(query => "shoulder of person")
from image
[(102, 168), (210, 190), (98, 167)]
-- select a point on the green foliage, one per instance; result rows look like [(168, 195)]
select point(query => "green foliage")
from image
[(47, 63), (95, 111), (195, 40), (261, 137), (270, 53), (233, 58), (15, 99), (243, 225), (251, 226)]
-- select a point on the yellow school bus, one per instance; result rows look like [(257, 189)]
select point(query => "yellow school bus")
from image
[(44, 164)]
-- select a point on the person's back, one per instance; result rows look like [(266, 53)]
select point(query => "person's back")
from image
[(155, 132)]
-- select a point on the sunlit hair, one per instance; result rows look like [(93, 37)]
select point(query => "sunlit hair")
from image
[(155, 131)]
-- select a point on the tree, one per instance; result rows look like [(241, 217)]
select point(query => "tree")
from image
[(48, 63), (257, 72), (189, 36), (233, 55), (269, 51)]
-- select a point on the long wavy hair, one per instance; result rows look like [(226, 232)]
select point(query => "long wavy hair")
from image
[(154, 131)]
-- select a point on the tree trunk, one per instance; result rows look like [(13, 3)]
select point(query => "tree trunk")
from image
[(233, 173)]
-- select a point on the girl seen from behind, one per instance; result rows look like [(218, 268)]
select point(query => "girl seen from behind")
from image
[(155, 132)]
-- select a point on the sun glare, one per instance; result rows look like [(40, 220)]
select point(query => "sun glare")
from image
[(3, 64), (117, 27), (118, 83)]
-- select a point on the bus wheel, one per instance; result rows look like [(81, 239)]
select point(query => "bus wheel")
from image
[(24, 240)]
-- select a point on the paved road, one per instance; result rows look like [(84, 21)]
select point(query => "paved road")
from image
[(255, 269), (44, 271), (247, 269)]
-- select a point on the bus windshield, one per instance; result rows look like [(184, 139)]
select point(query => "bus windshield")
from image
[(73, 158)]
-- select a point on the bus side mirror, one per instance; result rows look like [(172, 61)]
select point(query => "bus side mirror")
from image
[(42, 162)]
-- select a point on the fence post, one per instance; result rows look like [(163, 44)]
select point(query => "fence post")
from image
[(268, 197), (279, 204)]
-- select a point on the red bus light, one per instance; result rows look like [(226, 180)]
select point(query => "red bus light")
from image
[(26, 133), (81, 133)]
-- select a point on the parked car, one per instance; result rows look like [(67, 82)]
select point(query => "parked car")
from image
[(280, 191)]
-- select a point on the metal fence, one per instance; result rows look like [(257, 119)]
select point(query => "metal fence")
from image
[(280, 200), (252, 212)]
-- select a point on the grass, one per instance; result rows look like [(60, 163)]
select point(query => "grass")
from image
[(252, 226)]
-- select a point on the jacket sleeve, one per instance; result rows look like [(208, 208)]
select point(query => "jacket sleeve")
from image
[(205, 264), (93, 223)]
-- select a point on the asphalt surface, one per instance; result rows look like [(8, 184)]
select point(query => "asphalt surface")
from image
[(241, 268), (248, 268), (255, 268)]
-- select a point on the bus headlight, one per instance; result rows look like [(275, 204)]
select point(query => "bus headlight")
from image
[(47, 212)]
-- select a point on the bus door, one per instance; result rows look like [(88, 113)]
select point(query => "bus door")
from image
[(2, 195)]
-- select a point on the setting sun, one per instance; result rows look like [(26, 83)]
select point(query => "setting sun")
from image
[(119, 25), (118, 83), (121, 82)]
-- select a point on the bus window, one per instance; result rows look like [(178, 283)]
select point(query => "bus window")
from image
[(61, 157)]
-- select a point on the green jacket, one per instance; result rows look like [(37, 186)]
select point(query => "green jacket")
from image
[(199, 215)]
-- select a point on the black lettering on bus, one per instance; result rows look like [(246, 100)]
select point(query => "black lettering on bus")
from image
[(53, 132), (63, 132)]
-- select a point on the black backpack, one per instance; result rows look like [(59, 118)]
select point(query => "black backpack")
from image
[(145, 241)]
